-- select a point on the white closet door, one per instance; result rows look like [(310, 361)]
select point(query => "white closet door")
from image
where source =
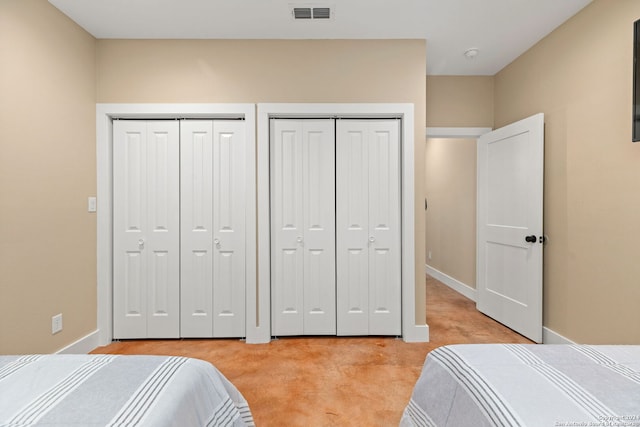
[(384, 228), (196, 188), (318, 166), (368, 227), (229, 228), (303, 227), (287, 229), (213, 231), (146, 229), (352, 222)]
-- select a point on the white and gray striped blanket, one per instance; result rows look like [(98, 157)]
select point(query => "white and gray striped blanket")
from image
[(111, 390), (527, 385)]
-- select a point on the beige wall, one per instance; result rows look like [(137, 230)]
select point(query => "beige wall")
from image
[(47, 171), (256, 71), (460, 101), (52, 75), (580, 77), (450, 187)]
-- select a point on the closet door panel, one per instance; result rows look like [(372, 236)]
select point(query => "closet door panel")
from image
[(384, 228), (196, 158), (164, 229), (228, 229), (352, 221), (129, 222), (146, 229), (368, 227), (213, 231), (287, 227), (303, 226), (319, 227)]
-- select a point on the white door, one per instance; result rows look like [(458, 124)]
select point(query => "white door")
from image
[(368, 227), (213, 228), (510, 233), (146, 229), (303, 227)]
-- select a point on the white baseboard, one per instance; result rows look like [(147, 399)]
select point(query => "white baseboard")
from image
[(551, 337), (454, 284), (548, 336), (418, 333), (83, 345)]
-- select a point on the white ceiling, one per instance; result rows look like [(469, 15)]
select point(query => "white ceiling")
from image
[(500, 29)]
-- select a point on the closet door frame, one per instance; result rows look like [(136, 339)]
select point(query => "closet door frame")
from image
[(411, 330), (105, 113)]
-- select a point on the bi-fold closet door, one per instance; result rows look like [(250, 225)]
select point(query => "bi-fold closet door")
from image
[(368, 227), (212, 157), (303, 227), (146, 229), (335, 227), (179, 242)]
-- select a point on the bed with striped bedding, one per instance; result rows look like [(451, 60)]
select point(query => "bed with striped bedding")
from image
[(527, 385), (115, 390)]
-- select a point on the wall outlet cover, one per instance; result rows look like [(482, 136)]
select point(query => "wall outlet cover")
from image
[(56, 323)]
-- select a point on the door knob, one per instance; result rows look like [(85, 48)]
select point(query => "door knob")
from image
[(300, 240), (216, 242), (531, 239), (372, 239), (140, 243)]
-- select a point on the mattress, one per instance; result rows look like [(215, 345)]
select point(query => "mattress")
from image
[(115, 390), (527, 385)]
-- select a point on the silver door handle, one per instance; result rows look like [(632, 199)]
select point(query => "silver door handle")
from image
[(372, 239), (140, 244), (216, 242), (300, 240)]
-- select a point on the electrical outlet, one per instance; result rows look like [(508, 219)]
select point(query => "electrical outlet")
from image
[(56, 323)]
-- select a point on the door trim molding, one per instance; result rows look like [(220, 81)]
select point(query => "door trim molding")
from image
[(456, 132), (411, 331), (105, 113)]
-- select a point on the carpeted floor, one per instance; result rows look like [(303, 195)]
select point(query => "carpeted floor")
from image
[(333, 381)]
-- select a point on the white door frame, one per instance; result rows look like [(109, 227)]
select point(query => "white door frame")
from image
[(104, 115), (411, 332), (454, 133)]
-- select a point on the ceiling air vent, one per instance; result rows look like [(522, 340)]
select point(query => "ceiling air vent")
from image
[(321, 13), (302, 13), (311, 13)]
